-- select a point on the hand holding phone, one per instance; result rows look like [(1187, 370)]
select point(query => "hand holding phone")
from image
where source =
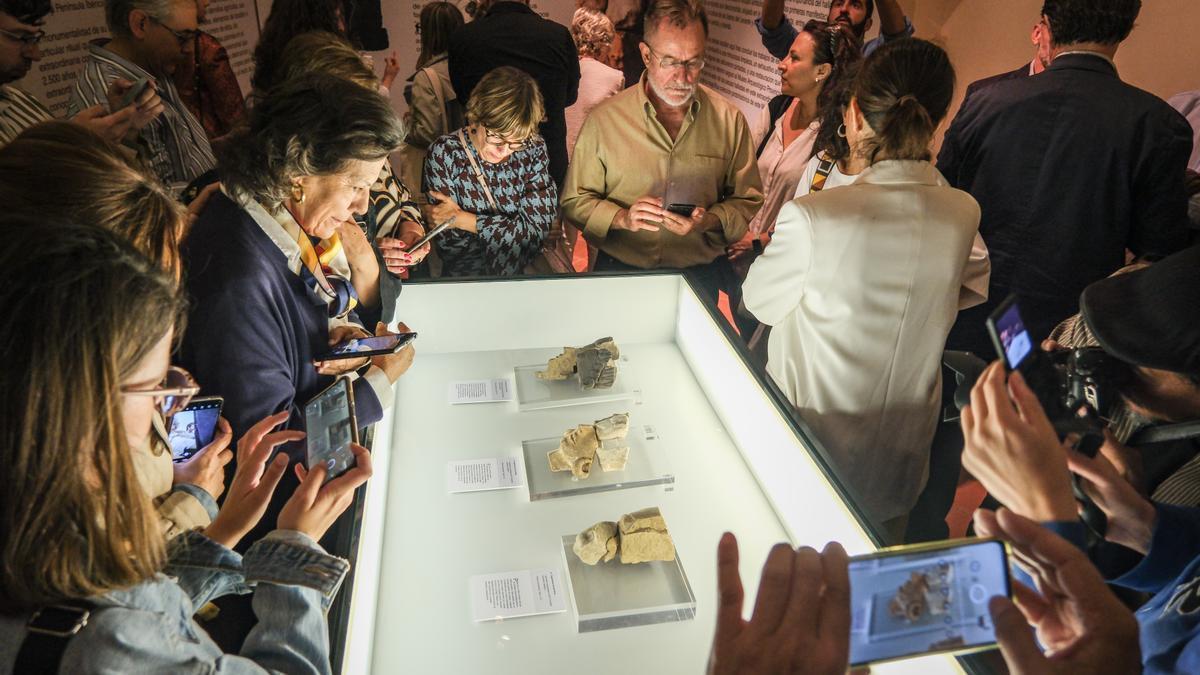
[(135, 92), (194, 427), (331, 429), (356, 348)]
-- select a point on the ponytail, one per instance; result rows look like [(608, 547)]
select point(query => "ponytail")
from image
[(904, 90)]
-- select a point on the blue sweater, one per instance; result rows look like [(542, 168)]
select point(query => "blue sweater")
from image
[(1170, 622)]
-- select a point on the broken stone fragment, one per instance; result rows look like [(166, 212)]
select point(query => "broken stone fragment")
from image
[(613, 454), (560, 367), (644, 537), (613, 427), (598, 542), (576, 451)]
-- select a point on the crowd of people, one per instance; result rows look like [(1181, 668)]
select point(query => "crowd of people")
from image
[(196, 239)]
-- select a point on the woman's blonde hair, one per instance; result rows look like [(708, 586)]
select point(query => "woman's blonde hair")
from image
[(507, 102), (592, 31), (74, 520), (93, 185)]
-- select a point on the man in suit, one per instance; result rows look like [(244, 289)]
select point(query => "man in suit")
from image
[(512, 34), (1041, 59), (1070, 169)]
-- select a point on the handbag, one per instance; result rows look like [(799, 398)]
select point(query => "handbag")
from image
[(412, 158), (555, 256)]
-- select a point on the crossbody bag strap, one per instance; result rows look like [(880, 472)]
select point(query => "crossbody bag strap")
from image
[(50, 631), (487, 191), (824, 168)]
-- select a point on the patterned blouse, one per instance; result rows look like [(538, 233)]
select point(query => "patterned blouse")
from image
[(508, 240)]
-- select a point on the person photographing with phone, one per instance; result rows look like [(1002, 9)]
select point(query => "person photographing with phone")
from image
[(664, 173)]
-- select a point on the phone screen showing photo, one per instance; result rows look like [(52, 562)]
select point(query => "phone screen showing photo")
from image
[(906, 604), (1014, 337), (367, 344), (193, 428), (329, 425)]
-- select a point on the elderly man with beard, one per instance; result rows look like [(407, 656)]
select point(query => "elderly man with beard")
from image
[(664, 174), (778, 33)]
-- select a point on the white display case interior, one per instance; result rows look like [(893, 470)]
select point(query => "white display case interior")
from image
[(740, 463)]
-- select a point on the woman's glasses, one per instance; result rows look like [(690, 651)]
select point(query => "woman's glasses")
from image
[(173, 394), (498, 141)]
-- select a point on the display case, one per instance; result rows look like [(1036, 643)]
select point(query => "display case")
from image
[(739, 462)]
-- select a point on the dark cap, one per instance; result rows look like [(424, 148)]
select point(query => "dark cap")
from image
[(1150, 317)]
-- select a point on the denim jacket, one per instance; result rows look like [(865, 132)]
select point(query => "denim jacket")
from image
[(149, 627)]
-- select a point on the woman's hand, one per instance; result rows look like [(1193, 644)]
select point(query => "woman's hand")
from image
[(396, 251), (254, 481), (316, 504), (394, 365), (443, 208), (206, 468), (339, 334)]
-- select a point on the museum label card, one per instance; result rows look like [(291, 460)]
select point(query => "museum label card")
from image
[(483, 474), (481, 391), (514, 594)]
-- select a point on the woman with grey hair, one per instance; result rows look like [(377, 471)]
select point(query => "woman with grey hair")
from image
[(593, 33), (259, 261)]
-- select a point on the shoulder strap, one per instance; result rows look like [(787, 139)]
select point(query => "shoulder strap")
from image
[(50, 631), (824, 168), (776, 107), (487, 191), (435, 81)]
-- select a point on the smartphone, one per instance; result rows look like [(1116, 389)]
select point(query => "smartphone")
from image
[(194, 427), (441, 227), (684, 210), (925, 599), (330, 428), (134, 93), (356, 348), (1009, 334)]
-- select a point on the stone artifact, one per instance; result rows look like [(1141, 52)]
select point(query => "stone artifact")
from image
[(598, 542), (580, 447), (644, 537), (596, 364), (927, 593), (639, 537)]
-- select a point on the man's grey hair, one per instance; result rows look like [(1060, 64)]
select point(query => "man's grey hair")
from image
[(116, 12)]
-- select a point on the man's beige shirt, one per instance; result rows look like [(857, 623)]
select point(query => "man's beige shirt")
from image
[(624, 153)]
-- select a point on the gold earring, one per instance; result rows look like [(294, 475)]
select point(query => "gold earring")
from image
[(297, 193)]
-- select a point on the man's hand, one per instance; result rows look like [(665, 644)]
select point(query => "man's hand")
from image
[(1131, 517), (146, 108), (645, 213), (391, 68), (683, 225), (1011, 447), (112, 127), (1083, 626), (339, 334), (801, 622), (206, 468)]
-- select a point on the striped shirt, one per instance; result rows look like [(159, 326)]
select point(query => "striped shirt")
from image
[(174, 145), (19, 110)]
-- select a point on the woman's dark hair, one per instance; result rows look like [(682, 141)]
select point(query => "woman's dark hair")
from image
[(836, 44), (438, 22), (289, 18), (904, 90), (1104, 21), (308, 126)]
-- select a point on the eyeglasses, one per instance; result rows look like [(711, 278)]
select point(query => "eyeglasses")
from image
[(183, 36), (26, 39), (496, 140), (691, 65), (173, 393)]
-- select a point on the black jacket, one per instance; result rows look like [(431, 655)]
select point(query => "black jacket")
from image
[(1070, 168), (512, 34), (979, 85)]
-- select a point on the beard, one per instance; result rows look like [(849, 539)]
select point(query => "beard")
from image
[(858, 30), (15, 71), (678, 96)]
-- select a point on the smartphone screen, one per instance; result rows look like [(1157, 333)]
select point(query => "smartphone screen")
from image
[(368, 346), (193, 427), (922, 600), (330, 428), (1009, 332)]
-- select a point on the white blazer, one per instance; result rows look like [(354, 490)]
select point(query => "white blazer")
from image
[(862, 284)]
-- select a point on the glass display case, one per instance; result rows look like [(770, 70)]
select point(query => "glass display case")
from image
[(738, 461)]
